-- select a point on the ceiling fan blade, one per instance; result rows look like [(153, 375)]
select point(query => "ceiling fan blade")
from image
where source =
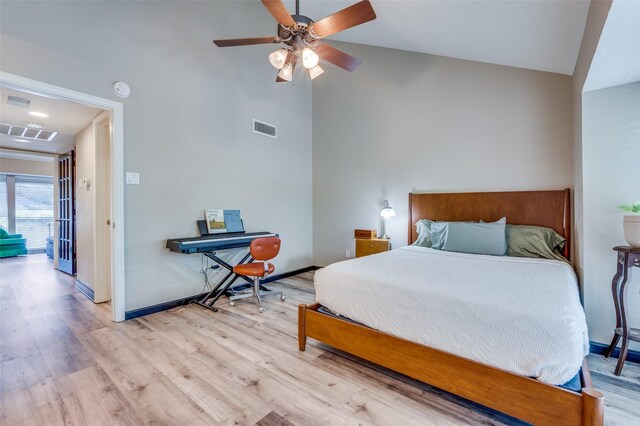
[(337, 57), (279, 12), (245, 41), (353, 15)]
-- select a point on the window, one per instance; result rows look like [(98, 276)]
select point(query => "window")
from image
[(4, 210), (32, 208)]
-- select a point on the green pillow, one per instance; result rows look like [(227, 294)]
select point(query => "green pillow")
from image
[(3, 233), (535, 241), (423, 228)]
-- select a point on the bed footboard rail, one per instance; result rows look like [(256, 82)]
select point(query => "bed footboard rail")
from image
[(521, 397)]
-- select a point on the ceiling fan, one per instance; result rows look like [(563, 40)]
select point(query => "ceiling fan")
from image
[(302, 36)]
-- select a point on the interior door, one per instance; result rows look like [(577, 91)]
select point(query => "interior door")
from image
[(67, 213)]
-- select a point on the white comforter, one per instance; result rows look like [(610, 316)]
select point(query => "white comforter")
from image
[(520, 315)]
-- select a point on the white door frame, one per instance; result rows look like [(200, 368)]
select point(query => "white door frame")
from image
[(117, 172)]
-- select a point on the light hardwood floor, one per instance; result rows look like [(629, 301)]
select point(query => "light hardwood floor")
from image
[(62, 361)]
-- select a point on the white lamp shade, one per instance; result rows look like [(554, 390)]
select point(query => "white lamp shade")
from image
[(286, 73), (387, 212), (278, 58), (309, 58), (315, 71)]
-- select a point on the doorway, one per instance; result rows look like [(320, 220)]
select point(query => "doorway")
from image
[(107, 222)]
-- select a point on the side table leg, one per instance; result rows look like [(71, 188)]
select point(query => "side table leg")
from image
[(624, 325), (623, 356), (615, 290), (614, 342)]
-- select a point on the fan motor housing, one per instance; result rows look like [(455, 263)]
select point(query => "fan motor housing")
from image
[(302, 20), (288, 34)]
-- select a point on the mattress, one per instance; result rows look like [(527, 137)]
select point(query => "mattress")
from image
[(517, 314)]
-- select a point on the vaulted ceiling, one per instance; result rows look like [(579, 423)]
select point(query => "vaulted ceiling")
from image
[(541, 35)]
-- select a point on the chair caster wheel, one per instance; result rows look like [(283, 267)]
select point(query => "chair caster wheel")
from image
[(232, 304), (261, 309), (283, 297)]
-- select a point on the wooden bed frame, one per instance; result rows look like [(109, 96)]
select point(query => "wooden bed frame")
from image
[(521, 397)]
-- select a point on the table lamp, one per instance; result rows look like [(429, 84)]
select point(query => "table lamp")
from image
[(386, 213)]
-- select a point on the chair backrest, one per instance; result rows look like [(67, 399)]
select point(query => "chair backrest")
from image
[(265, 248)]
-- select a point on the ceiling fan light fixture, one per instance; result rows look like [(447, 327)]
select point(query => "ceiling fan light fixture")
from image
[(315, 71), (303, 38), (278, 58), (309, 58), (286, 73)]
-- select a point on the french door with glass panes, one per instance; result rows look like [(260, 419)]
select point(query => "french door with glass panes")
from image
[(67, 213)]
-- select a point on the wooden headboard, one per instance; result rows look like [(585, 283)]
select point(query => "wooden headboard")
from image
[(541, 208)]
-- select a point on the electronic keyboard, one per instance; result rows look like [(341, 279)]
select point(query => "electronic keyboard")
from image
[(213, 242)]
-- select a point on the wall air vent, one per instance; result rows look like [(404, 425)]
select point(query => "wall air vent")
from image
[(18, 101), (27, 132), (265, 129)]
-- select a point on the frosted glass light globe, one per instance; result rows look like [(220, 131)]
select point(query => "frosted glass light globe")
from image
[(315, 71), (286, 73), (278, 58), (309, 58)]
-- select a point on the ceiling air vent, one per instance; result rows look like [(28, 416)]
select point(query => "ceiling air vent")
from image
[(18, 101), (27, 132), (45, 135), (31, 133), (265, 129), (17, 131)]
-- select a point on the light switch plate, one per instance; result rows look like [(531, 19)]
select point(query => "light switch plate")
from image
[(133, 178)]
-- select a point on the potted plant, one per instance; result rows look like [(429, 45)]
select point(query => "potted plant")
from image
[(632, 224)]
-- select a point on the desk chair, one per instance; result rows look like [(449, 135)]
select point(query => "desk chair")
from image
[(262, 249)]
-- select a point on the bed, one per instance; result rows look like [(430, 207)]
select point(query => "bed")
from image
[(516, 375)]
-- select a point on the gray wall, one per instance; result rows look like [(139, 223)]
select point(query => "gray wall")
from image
[(596, 18), (611, 153), (412, 122), (187, 122)]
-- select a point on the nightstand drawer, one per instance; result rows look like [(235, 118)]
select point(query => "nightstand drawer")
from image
[(367, 247)]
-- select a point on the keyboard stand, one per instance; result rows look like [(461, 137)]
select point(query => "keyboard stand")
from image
[(207, 245), (225, 283)]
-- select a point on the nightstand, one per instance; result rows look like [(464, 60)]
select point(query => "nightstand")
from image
[(371, 246)]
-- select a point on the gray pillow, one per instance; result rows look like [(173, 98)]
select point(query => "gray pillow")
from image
[(423, 228), (438, 234), (469, 237), (430, 234)]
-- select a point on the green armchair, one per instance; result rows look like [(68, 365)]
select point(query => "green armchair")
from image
[(12, 244)]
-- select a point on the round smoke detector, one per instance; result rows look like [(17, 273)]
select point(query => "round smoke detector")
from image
[(121, 89)]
